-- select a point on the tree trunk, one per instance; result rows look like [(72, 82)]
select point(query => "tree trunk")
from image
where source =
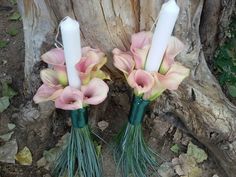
[(199, 103)]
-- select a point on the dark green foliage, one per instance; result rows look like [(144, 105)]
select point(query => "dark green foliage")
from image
[(12, 31), (132, 155), (3, 43), (79, 159), (15, 16), (6, 95), (225, 61)]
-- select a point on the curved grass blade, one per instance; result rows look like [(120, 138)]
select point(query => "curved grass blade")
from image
[(132, 155), (79, 159)]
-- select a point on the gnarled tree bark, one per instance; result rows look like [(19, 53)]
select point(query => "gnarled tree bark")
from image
[(200, 102)]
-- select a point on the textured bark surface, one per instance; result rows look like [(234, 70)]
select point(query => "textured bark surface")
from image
[(199, 103)]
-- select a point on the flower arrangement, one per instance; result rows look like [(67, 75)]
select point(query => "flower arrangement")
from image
[(55, 82), (79, 158), (132, 154)]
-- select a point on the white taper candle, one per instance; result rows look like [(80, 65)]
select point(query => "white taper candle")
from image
[(164, 27), (70, 32)]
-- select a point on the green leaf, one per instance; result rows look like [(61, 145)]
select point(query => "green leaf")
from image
[(175, 148), (15, 16), (13, 2), (3, 44), (98, 148), (12, 31), (224, 64), (198, 154), (4, 103), (232, 90), (7, 91)]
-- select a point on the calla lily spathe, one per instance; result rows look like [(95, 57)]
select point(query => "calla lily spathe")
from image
[(142, 81), (150, 84), (140, 45), (46, 93), (70, 99), (123, 61), (90, 65), (95, 91)]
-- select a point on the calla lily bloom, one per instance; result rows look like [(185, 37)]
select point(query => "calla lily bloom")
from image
[(70, 99), (56, 58), (51, 87), (157, 89), (123, 61), (174, 47), (150, 84), (49, 77), (90, 65), (46, 93), (174, 76), (140, 45), (95, 92), (142, 81)]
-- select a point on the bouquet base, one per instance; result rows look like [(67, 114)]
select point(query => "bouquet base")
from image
[(80, 158), (132, 155)]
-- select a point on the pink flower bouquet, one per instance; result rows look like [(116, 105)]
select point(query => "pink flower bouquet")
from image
[(133, 156), (79, 158)]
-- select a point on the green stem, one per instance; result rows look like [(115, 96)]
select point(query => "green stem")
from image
[(138, 110), (79, 118)]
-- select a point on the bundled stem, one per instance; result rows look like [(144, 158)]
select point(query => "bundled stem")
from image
[(79, 159), (132, 154)]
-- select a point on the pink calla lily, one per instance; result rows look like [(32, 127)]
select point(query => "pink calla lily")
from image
[(95, 92), (175, 46), (90, 64), (123, 61), (50, 78), (54, 57), (156, 90), (46, 93), (96, 55), (140, 45), (142, 81), (86, 64), (51, 87), (175, 75), (70, 99), (86, 51)]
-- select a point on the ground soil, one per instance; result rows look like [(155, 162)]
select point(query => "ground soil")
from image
[(160, 132)]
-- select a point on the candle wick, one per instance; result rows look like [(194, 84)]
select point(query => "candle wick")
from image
[(57, 43), (154, 24), (64, 19)]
